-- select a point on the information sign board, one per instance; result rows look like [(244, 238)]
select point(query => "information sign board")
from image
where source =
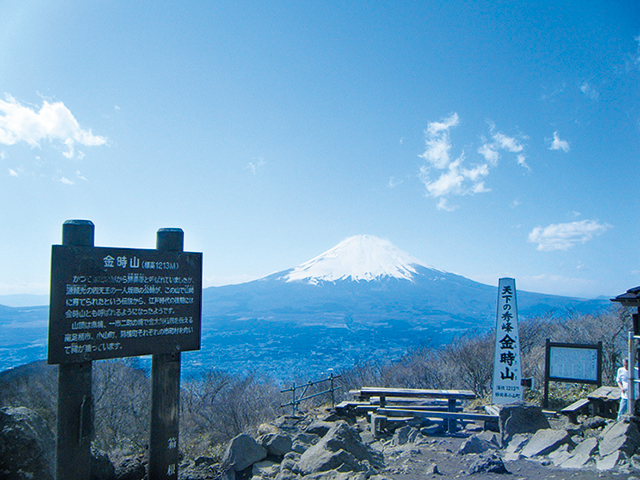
[(120, 302), (573, 363)]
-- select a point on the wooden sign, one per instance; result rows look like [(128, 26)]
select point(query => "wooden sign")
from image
[(118, 302)]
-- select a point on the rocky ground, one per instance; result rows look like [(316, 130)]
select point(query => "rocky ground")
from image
[(528, 445), (322, 445)]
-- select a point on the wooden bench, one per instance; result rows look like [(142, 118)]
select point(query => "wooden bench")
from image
[(576, 408)]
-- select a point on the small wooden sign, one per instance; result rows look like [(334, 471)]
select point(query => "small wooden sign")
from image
[(119, 302)]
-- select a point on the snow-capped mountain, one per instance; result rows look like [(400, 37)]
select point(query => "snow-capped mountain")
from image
[(361, 257), (363, 299)]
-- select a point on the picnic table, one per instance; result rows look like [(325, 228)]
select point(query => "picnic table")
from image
[(384, 404), (602, 401), (605, 401)]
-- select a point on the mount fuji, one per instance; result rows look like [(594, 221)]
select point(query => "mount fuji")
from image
[(363, 299)]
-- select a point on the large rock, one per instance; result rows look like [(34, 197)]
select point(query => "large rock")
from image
[(101, 466), (619, 436), (545, 441), (476, 444), (27, 446), (319, 428), (492, 464), (277, 445), (519, 418), (242, 452), (131, 468), (340, 449), (265, 469), (609, 462), (404, 435), (581, 455)]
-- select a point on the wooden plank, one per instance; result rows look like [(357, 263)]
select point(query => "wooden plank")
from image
[(576, 406), (605, 393), (415, 392), (437, 414)]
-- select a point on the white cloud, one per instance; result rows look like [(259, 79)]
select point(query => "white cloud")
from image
[(587, 89), (455, 180), (255, 166), (509, 144), (445, 176), (489, 153), (439, 142), (563, 236), (522, 161), (66, 181), (13, 173), (490, 150), (558, 144), (393, 182), (53, 122)]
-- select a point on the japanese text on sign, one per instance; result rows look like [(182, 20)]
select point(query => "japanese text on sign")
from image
[(109, 303), (507, 374), (573, 363)]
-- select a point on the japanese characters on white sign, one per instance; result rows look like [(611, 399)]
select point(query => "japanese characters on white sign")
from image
[(507, 372)]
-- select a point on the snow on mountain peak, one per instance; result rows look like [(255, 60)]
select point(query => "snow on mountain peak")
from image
[(362, 257)]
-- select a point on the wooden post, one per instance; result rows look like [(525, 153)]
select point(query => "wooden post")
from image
[(75, 402), (165, 391), (547, 371)]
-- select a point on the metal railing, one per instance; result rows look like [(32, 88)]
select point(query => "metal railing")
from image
[(299, 391)]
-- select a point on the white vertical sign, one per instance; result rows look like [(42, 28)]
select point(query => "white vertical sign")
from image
[(507, 367)]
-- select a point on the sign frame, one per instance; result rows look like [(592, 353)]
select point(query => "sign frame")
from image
[(121, 302), (548, 377)]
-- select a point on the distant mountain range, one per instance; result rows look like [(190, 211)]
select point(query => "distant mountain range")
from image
[(363, 299)]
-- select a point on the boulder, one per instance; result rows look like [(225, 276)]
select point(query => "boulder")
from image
[(609, 462), (545, 441), (620, 436), (319, 428), (594, 422), (492, 464), (131, 468), (242, 452), (581, 455), (302, 441), (404, 435), (520, 418), (265, 469), (475, 444), (518, 442), (101, 466), (277, 445), (202, 468), (340, 449), (27, 446), (560, 455)]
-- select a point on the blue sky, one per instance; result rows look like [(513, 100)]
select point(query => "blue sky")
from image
[(488, 139)]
